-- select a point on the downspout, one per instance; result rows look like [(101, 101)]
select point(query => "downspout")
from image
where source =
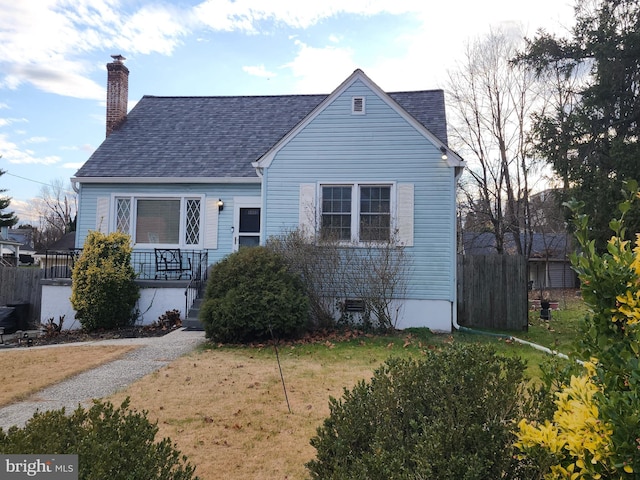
[(260, 171), (457, 173)]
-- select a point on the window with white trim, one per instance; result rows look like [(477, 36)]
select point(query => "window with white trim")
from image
[(356, 212), (175, 221)]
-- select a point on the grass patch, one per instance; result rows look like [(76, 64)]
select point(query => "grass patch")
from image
[(25, 371)]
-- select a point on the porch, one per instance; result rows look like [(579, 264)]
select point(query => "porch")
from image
[(164, 284), (148, 264)]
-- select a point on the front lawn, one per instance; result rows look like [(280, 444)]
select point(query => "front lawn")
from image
[(226, 408)]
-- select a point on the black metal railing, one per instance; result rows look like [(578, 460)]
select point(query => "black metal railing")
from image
[(59, 264), (197, 282)]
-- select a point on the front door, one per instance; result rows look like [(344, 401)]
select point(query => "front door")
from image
[(246, 224)]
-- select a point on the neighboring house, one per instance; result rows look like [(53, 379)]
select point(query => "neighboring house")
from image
[(549, 261), (55, 260), (212, 174), (9, 248), (27, 251)]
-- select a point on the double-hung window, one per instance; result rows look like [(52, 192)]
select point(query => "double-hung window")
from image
[(174, 221), (356, 212)]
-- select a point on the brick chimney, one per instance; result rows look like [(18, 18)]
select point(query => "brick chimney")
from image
[(117, 93)]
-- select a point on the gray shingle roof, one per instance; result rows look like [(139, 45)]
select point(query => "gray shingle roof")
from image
[(220, 136), (556, 246)]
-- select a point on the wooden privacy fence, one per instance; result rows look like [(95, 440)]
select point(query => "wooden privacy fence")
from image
[(492, 292), (22, 286)]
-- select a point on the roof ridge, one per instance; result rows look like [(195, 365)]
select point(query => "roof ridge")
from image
[(297, 95)]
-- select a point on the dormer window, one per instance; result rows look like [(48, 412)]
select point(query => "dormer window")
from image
[(357, 105)]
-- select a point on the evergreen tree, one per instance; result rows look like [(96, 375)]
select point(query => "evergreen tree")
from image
[(7, 219), (591, 137)]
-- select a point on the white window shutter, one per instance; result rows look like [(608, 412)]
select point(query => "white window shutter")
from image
[(307, 209), (405, 214), (102, 215), (211, 223)]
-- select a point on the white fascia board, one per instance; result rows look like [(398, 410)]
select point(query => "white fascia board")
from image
[(166, 180)]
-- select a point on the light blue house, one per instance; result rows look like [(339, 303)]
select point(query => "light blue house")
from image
[(207, 175)]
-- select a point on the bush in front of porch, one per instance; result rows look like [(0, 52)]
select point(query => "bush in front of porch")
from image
[(104, 292)]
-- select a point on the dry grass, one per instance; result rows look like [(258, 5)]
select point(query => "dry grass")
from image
[(27, 370), (226, 409)]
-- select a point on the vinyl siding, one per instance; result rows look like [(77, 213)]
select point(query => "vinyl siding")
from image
[(380, 146), (90, 195)]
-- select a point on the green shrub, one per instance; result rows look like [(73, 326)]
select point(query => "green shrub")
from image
[(251, 295), (447, 416), (104, 292), (113, 443)]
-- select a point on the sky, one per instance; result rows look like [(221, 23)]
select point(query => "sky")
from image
[(53, 56)]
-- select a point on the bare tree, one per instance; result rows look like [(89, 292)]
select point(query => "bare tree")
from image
[(373, 275), (56, 209), (492, 101)]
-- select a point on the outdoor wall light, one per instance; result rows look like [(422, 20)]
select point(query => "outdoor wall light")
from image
[(444, 153), (220, 205)]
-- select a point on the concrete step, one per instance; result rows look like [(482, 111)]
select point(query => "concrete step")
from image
[(192, 321)]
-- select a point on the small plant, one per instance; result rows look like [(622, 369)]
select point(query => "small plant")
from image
[(447, 416), (104, 292), (51, 328), (251, 295), (115, 443), (375, 273), (169, 319)]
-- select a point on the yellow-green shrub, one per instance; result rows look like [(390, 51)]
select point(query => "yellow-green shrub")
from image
[(595, 432), (104, 292)]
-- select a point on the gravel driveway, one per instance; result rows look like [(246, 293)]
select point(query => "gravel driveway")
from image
[(154, 353)]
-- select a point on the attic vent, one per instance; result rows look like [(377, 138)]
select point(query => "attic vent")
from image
[(357, 105)]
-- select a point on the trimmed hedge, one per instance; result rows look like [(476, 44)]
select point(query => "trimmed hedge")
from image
[(447, 416), (251, 295), (111, 443)]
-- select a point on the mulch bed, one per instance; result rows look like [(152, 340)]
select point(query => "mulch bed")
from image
[(74, 336)]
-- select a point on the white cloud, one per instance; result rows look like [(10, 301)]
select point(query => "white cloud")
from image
[(60, 79), (14, 155), (259, 71), (320, 70), (10, 121), (249, 15), (36, 140), (153, 29), (72, 165), (44, 42)]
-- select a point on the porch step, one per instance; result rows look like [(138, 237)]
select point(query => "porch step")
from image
[(192, 322)]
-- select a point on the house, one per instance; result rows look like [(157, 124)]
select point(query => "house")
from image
[(27, 255), (208, 175), (549, 262), (9, 248), (57, 260)]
